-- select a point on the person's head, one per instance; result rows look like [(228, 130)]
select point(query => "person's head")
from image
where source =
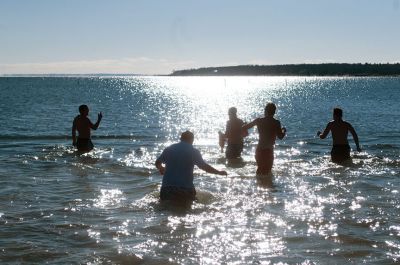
[(337, 113), (232, 112), (84, 110), (188, 137), (270, 109)]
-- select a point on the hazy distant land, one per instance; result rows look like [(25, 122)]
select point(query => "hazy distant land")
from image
[(326, 69)]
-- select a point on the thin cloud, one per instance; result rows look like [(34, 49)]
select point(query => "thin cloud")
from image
[(139, 65)]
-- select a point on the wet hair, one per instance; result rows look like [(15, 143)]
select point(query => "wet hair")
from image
[(232, 111), (270, 109), (187, 136), (338, 112), (82, 108)]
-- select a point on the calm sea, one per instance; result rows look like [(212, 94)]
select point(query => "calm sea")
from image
[(58, 207)]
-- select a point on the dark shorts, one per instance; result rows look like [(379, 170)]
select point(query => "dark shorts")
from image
[(233, 150), (84, 144), (340, 152), (265, 160), (177, 194)]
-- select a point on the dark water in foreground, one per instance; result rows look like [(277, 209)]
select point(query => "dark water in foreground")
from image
[(58, 207)]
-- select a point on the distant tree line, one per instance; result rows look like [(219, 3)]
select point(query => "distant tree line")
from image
[(326, 69)]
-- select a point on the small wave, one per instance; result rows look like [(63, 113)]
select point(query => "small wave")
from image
[(204, 197), (128, 258), (381, 147), (354, 240), (31, 254)]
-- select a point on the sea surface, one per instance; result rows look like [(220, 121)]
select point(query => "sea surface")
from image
[(60, 207)]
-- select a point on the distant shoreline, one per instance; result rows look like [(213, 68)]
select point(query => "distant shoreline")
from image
[(326, 69)]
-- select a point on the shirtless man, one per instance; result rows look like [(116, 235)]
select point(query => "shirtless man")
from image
[(268, 129), (339, 128), (83, 125), (234, 135)]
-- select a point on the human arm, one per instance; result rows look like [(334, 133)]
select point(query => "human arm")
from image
[(159, 163), (355, 137), (209, 169), (227, 130), (96, 125), (198, 160), (245, 132), (160, 167), (74, 132), (326, 131), (281, 132), (223, 136), (250, 125), (221, 140)]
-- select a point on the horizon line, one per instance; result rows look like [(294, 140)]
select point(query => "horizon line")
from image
[(187, 69)]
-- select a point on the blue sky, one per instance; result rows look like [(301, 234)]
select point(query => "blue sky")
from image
[(156, 37)]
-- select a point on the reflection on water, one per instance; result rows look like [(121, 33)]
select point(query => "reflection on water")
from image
[(57, 206)]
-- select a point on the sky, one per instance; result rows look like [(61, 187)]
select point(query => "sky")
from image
[(160, 36)]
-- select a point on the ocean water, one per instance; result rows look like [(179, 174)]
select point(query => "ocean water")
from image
[(59, 207)]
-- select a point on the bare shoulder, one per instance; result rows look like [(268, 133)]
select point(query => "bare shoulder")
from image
[(330, 125), (348, 124), (82, 120), (256, 121), (77, 117)]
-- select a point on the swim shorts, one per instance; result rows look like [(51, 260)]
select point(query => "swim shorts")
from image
[(340, 152), (177, 193), (265, 160), (84, 144), (233, 150)]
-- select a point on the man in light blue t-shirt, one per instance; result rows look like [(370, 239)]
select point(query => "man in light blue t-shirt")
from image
[(179, 160)]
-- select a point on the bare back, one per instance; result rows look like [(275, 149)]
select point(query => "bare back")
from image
[(340, 130), (268, 129), (234, 131), (83, 126)]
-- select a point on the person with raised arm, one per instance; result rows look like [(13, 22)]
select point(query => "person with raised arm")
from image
[(83, 125)]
